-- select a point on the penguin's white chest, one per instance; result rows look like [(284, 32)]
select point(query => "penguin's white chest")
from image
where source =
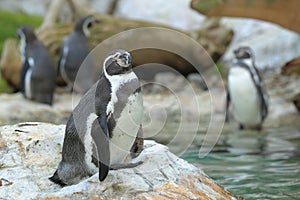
[(123, 136), (244, 97), (127, 126)]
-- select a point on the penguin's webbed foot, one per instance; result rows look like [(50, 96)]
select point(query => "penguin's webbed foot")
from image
[(241, 127), (55, 179), (259, 127)]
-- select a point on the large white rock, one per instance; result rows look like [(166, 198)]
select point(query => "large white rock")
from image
[(175, 13), (30, 153), (273, 45)]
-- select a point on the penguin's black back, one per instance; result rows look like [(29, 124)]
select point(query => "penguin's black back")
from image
[(43, 77), (94, 101), (78, 49)]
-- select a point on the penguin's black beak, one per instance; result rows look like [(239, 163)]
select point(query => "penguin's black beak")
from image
[(96, 21), (93, 22)]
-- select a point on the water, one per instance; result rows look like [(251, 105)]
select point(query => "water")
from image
[(255, 165)]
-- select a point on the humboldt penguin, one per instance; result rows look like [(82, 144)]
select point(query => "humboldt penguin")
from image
[(74, 50), (38, 76), (246, 91), (104, 130)]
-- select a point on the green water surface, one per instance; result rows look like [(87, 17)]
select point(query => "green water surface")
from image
[(255, 165)]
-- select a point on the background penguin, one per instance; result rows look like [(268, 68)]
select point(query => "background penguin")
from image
[(38, 76), (74, 50), (105, 127), (246, 91)]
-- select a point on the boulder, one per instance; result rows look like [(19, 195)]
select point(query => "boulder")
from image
[(282, 12), (15, 108), (30, 153), (141, 52), (262, 36), (10, 63), (271, 53), (214, 37), (296, 101), (291, 68), (177, 14)]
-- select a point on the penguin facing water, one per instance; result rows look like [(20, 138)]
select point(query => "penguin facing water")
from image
[(74, 50), (105, 127), (38, 76), (246, 91)]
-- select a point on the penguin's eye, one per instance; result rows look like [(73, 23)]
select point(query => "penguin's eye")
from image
[(89, 25)]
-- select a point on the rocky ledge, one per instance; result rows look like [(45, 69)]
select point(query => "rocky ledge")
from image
[(29, 153)]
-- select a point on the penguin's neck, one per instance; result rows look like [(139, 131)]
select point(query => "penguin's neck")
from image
[(116, 81), (246, 61)]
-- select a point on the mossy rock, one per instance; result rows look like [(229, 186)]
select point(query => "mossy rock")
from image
[(11, 21), (109, 26)]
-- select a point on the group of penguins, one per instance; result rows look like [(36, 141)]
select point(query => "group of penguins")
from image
[(38, 73), (104, 130)]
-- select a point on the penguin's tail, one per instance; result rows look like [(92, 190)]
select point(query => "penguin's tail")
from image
[(55, 179)]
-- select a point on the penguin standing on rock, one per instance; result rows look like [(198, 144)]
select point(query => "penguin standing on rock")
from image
[(38, 76), (246, 91), (105, 127), (74, 50)]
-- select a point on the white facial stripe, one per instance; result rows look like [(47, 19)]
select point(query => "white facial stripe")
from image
[(22, 46), (85, 27), (105, 61)]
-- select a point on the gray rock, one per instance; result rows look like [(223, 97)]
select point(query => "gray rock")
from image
[(30, 153), (176, 14), (197, 81), (15, 108), (273, 45)]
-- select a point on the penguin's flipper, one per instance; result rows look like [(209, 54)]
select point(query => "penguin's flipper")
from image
[(262, 93), (100, 136), (227, 106), (59, 63), (24, 69)]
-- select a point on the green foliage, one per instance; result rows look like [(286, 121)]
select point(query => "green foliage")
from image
[(219, 68), (222, 69), (205, 5), (4, 88), (10, 22)]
